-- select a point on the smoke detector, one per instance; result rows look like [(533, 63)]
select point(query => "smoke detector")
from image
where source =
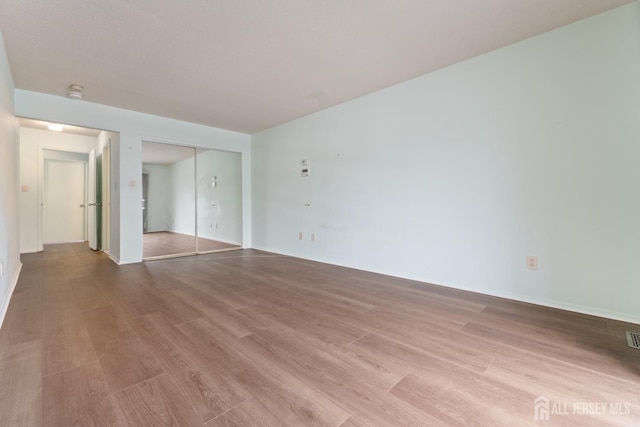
[(75, 91)]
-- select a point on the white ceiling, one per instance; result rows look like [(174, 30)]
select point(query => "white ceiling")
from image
[(248, 65)]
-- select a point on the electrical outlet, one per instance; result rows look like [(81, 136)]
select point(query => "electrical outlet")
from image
[(313, 237), (532, 262), (300, 235)]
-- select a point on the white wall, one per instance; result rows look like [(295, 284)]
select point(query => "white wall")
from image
[(9, 234), (31, 140), (133, 127), (220, 207), (456, 176)]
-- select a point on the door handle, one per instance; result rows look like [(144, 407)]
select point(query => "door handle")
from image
[(82, 206), (92, 204)]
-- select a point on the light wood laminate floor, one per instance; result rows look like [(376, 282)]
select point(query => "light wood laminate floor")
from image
[(248, 338)]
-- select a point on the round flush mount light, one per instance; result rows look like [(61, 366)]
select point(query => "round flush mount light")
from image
[(75, 91)]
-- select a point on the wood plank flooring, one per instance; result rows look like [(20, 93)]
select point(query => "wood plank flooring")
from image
[(165, 243), (248, 338)]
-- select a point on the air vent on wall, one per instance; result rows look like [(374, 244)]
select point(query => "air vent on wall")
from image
[(633, 339)]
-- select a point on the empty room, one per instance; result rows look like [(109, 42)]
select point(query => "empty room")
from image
[(319, 213)]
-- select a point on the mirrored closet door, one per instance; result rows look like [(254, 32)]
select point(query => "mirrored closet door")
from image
[(219, 200), (168, 204), (192, 200)]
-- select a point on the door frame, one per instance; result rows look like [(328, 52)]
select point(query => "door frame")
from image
[(106, 198), (40, 192), (91, 210), (98, 199)]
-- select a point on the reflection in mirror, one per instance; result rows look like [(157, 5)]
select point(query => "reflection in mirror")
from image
[(168, 205), (219, 199)]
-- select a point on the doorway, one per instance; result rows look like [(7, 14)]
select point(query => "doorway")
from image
[(60, 189)]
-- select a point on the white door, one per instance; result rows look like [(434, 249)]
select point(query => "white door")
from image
[(91, 196), (64, 201)]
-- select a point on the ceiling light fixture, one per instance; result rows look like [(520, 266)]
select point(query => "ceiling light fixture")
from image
[(75, 91), (55, 127)]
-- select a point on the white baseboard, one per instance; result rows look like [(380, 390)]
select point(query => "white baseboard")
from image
[(7, 297), (576, 308), (561, 305)]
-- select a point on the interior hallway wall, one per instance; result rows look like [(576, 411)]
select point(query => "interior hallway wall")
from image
[(9, 174)]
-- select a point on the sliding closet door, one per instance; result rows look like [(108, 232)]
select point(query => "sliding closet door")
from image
[(219, 200), (168, 206)]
